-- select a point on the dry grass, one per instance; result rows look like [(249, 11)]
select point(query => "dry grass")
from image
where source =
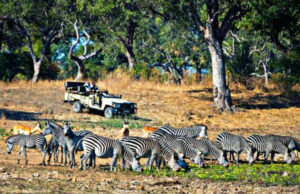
[(179, 105)]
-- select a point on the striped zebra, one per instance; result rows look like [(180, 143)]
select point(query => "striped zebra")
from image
[(53, 149), (73, 141), (27, 141), (104, 147), (193, 131), (168, 155), (290, 142), (267, 145), (58, 133), (234, 143), (206, 147), (143, 148), (171, 140)]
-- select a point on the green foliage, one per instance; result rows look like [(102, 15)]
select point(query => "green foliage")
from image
[(4, 133), (282, 174), (118, 124)]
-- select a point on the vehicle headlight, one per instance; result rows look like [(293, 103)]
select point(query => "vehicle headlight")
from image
[(117, 105)]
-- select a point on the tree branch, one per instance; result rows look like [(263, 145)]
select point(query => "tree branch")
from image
[(195, 16)]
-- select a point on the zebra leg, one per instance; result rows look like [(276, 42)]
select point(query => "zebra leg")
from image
[(232, 155), (65, 154), (272, 157), (25, 156), (62, 154), (151, 162), (20, 152), (225, 155), (257, 156), (56, 151), (114, 162), (147, 162), (266, 156), (293, 155), (237, 157), (44, 152), (71, 158)]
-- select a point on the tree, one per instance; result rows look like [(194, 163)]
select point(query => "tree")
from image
[(79, 60), (37, 22), (119, 19)]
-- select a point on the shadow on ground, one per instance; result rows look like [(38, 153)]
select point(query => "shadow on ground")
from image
[(19, 115), (268, 102)]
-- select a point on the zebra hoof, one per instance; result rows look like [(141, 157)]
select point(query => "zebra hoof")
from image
[(42, 164)]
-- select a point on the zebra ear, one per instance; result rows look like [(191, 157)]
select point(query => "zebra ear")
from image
[(47, 122), (69, 123)]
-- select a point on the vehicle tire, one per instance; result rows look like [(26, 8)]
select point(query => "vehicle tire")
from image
[(108, 112), (77, 107)]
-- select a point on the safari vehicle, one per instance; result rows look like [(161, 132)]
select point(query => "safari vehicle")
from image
[(80, 96)]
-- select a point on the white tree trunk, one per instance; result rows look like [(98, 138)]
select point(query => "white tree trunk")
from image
[(266, 73), (36, 73), (221, 93), (130, 56)]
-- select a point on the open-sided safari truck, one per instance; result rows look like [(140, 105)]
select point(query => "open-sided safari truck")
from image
[(76, 93)]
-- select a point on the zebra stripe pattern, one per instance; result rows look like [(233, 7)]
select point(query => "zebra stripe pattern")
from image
[(206, 147), (143, 147), (234, 143), (27, 141), (73, 140), (193, 131), (104, 147), (290, 142), (171, 140), (267, 145)]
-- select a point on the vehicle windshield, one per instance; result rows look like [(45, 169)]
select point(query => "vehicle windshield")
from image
[(110, 96)]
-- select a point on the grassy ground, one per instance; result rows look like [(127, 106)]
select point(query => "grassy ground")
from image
[(260, 112)]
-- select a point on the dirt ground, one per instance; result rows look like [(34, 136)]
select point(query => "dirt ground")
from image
[(259, 113)]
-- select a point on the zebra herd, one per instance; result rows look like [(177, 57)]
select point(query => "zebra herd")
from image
[(167, 145)]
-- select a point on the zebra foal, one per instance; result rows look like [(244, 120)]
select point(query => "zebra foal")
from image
[(27, 141)]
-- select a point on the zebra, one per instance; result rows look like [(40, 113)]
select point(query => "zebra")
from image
[(27, 141), (73, 141), (290, 142), (206, 147), (267, 145), (193, 131), (143, 148), (104, 147), (52, 149), (171, 140), (234, 143), (168, 155), (58, 133)]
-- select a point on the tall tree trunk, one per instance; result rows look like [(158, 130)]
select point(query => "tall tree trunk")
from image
[(130, 56), (266, 73), (36, 68), (221, 93), (198, 72)]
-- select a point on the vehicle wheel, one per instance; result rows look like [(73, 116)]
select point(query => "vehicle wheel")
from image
[(77, 107), (108, 112)]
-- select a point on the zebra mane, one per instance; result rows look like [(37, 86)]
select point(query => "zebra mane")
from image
[(9, 137), (55, 125)]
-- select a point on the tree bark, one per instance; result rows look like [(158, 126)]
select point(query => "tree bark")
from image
[(36, 69), (130, 56), (221, 93)]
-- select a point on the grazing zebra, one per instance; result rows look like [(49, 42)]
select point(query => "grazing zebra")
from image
[(267, 145), (193, 131), (104, 147), (27, 141), (234, 143), (206, 147), (171, 140), (73, 141), (58, 133), (143, 148), (290, 142), (168, 155)]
